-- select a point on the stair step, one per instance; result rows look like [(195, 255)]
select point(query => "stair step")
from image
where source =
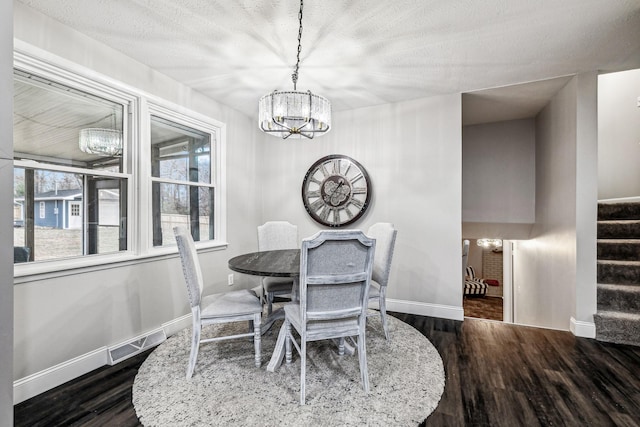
[(619, 229), (617, 327), (609, 211), (619, 272), (619, 298), (619, 249)]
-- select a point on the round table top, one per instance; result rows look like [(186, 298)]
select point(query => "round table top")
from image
[(279, 263)]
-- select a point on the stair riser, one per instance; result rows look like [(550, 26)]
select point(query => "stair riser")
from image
[(619, 230), (616, 330), (619, 274), (619, 300), (618, 211), (619, 251)]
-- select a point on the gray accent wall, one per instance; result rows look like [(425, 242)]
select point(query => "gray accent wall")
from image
[(498, 172), (554, 271), (412, 152), (619, 135), (6, 227)]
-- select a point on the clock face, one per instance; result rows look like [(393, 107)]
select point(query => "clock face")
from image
[(336, 190)]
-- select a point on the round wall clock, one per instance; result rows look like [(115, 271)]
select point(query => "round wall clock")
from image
[(336, 190)]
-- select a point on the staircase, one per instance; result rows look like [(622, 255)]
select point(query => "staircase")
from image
[(618, 317)]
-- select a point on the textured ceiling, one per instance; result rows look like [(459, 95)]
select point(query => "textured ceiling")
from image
[(359, 53)]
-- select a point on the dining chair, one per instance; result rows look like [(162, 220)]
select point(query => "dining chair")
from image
[(274, 235), (335, 275), (227, 307), (385, 236)]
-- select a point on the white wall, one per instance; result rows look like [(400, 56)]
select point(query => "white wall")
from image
[(6, 230), (57, 319), (412, 152), (618, 135), (545, 268), (498, 172)]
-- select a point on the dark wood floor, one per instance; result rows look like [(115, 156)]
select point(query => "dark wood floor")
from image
[(496, 375), (485, 307)]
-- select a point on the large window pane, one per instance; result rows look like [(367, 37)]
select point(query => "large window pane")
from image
[(62, 215), (67, 203), (49, 117), (185, 205), (181, 158), (180, 153)]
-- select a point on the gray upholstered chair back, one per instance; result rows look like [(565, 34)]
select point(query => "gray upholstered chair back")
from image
[(335, 274), (385, 236), (465, 258), (190, 264), (274, 235)]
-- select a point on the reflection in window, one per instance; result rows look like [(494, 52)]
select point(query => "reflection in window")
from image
[(182, 189), (67, 203)]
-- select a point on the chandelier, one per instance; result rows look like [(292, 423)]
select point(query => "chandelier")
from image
[(101, 141), (294, 113), (490, 243)]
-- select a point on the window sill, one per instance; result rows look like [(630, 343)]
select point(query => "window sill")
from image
[(35, 271)]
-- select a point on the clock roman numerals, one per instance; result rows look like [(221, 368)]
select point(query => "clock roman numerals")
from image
[(330, 194)]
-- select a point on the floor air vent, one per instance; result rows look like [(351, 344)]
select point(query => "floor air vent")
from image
[(137, 345)]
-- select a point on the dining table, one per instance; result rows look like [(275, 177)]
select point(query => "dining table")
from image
[(274, 263)]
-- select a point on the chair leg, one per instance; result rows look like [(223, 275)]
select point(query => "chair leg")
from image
[(195, 343), (257, 338), (288, 342), (303, 368), (362, 359), (270, 297), (383, 312), (341, 346)]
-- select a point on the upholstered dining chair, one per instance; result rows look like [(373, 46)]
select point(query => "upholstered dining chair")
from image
[(385, 236), (335, 275), (274, 235), (234, 306)]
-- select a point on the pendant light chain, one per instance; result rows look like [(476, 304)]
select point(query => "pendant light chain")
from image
[(294, 76)]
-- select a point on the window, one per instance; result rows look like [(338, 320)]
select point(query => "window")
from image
[(73, 196), (53, 173), (182, 189)]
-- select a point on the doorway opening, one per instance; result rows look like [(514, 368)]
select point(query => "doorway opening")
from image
[(491, 266)]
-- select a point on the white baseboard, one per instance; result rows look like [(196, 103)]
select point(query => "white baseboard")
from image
[(176, 325), (32, 385), (582, 329), (621, 200), (426, 309), (35, 384)]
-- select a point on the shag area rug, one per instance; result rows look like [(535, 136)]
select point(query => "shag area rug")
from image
[(406, 379)]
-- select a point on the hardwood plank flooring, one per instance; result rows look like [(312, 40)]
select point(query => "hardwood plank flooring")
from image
[(496, 375), (485, 307)]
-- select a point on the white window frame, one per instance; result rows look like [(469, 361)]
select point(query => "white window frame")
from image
[(139, 106), (43, 210), (156, 107)]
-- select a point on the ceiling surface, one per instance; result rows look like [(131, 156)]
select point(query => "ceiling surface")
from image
[(360, 53)]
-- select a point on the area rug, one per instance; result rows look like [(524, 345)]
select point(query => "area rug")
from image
[(406, 378)]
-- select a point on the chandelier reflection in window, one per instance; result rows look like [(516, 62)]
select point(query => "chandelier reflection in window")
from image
[(101, 141)]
